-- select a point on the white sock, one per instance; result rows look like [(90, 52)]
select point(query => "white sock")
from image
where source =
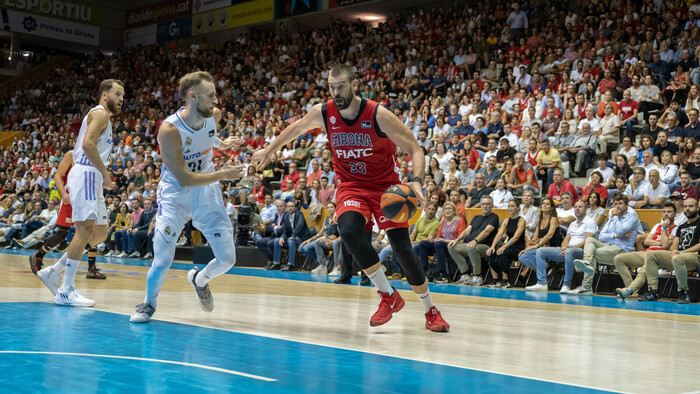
[(381, 282), (212, 270), (61, 264), (69, 276), (426, 300)]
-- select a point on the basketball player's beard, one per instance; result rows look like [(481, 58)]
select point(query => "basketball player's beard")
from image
[(205, 112), (344, 101), (113, 107)]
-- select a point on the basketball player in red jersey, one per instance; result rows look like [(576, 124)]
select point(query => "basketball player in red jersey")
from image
[(362, 137), (64, 223)]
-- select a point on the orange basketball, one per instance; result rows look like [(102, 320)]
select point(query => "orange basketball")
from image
[(399, 203)]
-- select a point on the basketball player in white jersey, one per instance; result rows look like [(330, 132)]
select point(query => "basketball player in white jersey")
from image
[(189, 187), (85, 184)]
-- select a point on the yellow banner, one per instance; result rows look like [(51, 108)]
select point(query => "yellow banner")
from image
[(237, 15)]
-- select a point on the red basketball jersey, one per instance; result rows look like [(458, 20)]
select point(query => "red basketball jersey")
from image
[(360, 151)]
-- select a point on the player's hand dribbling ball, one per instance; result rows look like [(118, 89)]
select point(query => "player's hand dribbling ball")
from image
[(399, 203)]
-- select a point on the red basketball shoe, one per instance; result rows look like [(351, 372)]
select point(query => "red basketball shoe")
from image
[(435, 322), (387, 306)]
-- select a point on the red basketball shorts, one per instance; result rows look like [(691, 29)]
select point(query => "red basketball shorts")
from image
[(64, 216), (366, 202)]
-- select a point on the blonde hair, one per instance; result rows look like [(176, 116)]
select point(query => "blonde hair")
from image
[(191, 80)]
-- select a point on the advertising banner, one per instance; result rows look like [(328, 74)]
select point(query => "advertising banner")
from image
[(341, 3), (42, 26), (286, 8), (243, 14), (145, 35), (173, 30), (75, 11), (166, 10), (200, 6)]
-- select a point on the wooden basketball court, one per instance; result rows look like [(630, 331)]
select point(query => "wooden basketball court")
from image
[(297, 332)]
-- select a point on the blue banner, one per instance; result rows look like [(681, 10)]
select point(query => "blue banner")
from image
[(173, 30)]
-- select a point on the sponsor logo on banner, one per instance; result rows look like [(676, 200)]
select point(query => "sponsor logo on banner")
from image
[(207, 5), (76, 11), (42, 26), (173, 30), (166, 10), (237, 15), (145, 35)]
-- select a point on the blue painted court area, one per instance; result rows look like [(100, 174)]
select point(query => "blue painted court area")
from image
[(506, 294), (46, 348)]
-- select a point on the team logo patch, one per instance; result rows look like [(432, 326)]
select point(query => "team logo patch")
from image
[(167, 230), (188, 141), (217, 235), (211, 133), (366, 124), (333, 120)]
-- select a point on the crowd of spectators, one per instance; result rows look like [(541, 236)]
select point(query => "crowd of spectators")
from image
[(508, 100)]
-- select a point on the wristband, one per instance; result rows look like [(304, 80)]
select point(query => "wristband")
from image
[(664, 228), (682, 251), (538, 245), (417, 179), (511, 243)]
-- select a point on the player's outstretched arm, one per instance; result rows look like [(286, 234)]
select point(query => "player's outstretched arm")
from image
[(312, 120), (171, 150), (402, 136), (63, 167)]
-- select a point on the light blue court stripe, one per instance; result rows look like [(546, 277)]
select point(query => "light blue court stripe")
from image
[(120, 357), (505, 294)]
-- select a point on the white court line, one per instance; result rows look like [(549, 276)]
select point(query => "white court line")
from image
[(228, 371)]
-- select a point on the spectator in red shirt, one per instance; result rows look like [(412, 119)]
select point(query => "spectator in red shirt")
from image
[(560, 186), (607, 82), (293, 175), (596, 186), (628, 112)]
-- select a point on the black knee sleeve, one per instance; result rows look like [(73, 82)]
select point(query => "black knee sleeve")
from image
[(58, 237), (403, 251), (352, 231)]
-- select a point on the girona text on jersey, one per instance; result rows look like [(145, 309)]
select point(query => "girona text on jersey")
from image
[(350, 140)]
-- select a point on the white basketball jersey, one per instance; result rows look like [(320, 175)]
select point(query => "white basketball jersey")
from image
[(104, 143), (197, 145)]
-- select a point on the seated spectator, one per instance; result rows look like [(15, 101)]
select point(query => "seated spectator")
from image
[(500, 258), (617, 236), (480, 190), (466, 176), (622, 170), (492, 150), (565, 211), (571, 247), (267, 245), (435, 171), (628, 151), (455, 198), (693, 168), (530, 213), (505, 151), (655, 193), (647, 143), (661, 237), (596, 210), (674, 258), (547, 233), (40, 219), (629, 110), (521, 178), (491, 172), (637, 187), (480, 234), (501, 195), (425, 228), (668, 171), (662, 145), (609, 129), (686, 190), (560, 186), (582, 150), (472, 156), (595, 185), (548, 161), (648, 163), (294, 231), (450, 227), (328, 239), (137, 234)]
